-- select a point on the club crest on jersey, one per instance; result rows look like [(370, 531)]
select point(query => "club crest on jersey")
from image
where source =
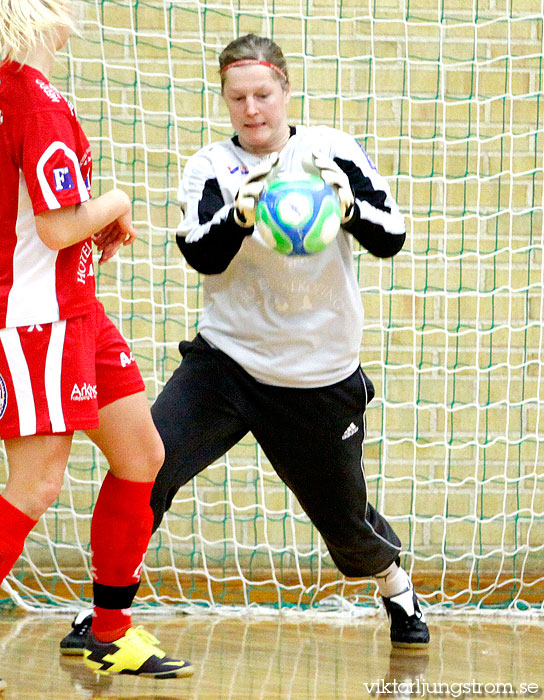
[(63, 179), (87, 392), (3, 396)]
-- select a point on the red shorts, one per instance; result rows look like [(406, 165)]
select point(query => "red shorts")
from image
[(55, 377)]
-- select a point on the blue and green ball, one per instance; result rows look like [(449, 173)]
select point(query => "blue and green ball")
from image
[(299, 215)]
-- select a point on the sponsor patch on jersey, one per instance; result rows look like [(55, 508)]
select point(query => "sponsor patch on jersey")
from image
[(51, 92), (63, 179), (3, 396), (125, 359), (235, 168), (85, 263)]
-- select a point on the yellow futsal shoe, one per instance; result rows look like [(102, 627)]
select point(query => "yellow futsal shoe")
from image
[(137, 653)]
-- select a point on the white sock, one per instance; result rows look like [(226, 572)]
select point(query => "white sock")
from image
[(392, 581)]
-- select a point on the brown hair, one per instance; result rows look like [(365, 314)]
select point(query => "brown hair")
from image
[(251, 47)]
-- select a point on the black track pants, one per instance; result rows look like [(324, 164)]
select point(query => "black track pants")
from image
[(312, 437)]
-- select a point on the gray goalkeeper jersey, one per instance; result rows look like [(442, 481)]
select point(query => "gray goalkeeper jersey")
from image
[(291, 321)]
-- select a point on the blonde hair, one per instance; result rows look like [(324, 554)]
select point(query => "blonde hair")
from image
[(24, 22)]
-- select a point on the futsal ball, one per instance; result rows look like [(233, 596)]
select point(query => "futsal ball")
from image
[(298, 215)]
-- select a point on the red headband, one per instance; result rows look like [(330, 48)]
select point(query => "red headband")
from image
[(254, 62)]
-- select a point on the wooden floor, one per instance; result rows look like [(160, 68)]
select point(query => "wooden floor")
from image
[(252, 658)]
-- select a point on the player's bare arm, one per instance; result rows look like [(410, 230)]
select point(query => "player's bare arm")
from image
[(107, 219), (113, 236)]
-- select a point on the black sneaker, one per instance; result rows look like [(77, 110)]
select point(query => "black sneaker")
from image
[(408, 628), (74, 642)]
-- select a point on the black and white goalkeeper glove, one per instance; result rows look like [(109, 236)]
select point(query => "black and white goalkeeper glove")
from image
[(335, 177), (252, 188)]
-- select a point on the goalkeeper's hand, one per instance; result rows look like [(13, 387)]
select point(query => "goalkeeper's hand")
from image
[(252, 188), (335, 177)]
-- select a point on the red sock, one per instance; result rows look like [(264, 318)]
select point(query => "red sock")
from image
[(14, 529), (109, 625), (120, 532)]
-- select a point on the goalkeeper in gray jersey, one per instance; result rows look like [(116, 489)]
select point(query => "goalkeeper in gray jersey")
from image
[(277, 352)]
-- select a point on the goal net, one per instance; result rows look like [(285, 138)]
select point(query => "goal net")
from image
[(446, 96)]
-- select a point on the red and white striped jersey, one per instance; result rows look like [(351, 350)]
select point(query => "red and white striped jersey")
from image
[(45, 163)]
